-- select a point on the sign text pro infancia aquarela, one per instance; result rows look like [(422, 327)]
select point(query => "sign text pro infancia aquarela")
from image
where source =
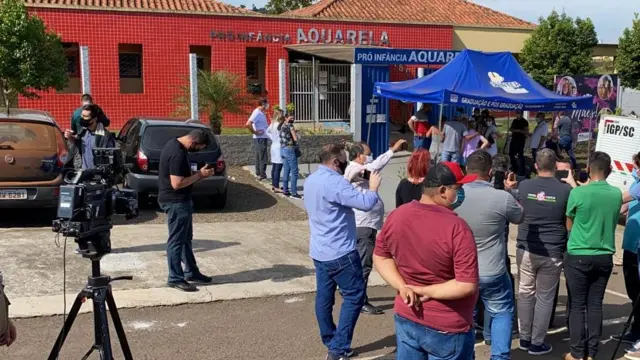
[(311, 36)]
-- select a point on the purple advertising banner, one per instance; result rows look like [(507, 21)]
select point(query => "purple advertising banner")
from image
[(603, 89)]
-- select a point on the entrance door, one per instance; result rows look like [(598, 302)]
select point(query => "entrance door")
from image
[(375, 110)]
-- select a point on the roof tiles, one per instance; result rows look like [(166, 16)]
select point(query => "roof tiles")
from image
[(205, 6), (455, 12)]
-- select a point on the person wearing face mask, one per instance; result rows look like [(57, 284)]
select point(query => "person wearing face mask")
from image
[(329, 201), (490, 130), (368, 223), (592, 214), (93, 135), (290, 153), (257, 125), (175, 181), (486, 210), (539, 135), (437, 285), (86, 99)]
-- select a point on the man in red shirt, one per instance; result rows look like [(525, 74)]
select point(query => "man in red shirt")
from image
[(435, 271)]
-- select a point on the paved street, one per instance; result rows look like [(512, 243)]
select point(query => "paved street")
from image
[(270, 328)]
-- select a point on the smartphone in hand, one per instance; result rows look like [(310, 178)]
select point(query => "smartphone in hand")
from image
[(583, 177), (366, 175), (498, 180), (562, 174)]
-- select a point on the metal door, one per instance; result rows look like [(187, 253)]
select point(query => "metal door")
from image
[(334, 92), (302, 91), (375, 110)]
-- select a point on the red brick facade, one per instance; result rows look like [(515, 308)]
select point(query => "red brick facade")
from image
[(165, 40)]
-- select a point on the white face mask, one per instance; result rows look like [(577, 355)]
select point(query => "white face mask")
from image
[(266, 106), (369, 159)]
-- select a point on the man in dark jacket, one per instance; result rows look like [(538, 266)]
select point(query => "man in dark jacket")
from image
[(92, 135), (76, 117)]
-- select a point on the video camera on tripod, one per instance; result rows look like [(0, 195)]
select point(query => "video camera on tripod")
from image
[(89, 200)]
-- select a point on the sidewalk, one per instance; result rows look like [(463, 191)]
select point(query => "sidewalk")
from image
[(246, 260)]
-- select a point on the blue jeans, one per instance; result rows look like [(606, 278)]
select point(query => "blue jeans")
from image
[(566, 144), (496, 293), (179, 245), (345, 272), (418, 342), (421, 142), (290, 162), (276, 169), (450, 156)]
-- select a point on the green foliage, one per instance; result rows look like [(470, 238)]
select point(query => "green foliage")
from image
[(560, 45), (282, 6), (291, 108), (31, 57), (219, 92), (628, 56)]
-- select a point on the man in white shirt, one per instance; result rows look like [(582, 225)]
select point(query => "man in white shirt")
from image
[(368, 223), (257, 125), (539, 134)]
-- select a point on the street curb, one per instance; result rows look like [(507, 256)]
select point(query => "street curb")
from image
[(39, 306)]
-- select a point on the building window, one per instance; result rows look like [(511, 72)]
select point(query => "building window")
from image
[(130, 68), (72, 52), (203, 56), (255, 66)]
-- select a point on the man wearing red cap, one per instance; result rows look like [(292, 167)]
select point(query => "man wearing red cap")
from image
[(435, 271)]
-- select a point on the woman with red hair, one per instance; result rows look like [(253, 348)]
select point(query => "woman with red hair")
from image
[(410, 188)]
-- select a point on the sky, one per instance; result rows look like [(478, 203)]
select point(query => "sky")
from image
[(610, 16)]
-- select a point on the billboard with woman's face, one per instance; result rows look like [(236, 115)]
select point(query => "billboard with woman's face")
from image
[(603, 89)]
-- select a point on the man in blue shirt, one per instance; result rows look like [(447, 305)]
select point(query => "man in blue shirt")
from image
[(630, 254), (329, 200)]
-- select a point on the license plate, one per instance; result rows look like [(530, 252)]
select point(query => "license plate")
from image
[(13, 194)]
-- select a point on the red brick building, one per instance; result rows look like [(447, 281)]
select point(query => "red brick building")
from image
[(138, 49)]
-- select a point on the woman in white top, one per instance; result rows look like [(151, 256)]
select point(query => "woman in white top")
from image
[(492, 135), (273, 131)]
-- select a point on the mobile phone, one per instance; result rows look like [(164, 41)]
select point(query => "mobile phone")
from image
[(366, 175), (404, 146), (209, 166), (562, 174), (498, 180), (583, 177)]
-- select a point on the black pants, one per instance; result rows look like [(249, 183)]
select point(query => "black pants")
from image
[(366, 242), (261, 147), (516, 155), (632, 284), (587, 276)]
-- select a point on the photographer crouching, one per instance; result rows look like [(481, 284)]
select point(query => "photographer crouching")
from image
[(7, 328), (176, 180), (92, 135)]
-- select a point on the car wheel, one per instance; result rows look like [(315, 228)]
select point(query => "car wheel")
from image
[(219, 201)]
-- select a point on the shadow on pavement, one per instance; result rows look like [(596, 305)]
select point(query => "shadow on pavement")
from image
[(276, 273), (199, 246)]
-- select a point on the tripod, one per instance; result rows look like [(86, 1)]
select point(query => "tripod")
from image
[(98, 289), (626, 327)]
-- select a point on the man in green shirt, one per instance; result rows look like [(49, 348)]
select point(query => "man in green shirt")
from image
[(592, 217), (86, 99)]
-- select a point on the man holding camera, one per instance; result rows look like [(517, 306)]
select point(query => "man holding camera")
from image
[(7, 328), (92, 135), (176, 179), (486, 210), (368, 223)]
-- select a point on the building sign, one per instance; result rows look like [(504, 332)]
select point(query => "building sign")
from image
[(329, 36), (251, 37), (312, 36), (603, 89), (403, 56)]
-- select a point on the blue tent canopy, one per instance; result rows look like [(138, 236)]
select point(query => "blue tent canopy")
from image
[(483, 80)]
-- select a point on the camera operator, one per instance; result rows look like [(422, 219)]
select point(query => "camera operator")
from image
[(174, 196), (92, 135), (368, 223), (76, 117), (7, 328), (541, 243), (486, 210)]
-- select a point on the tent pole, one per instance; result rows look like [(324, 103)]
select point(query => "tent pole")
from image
[(440, 133), (508, 137), (591, 132), (368, 118)]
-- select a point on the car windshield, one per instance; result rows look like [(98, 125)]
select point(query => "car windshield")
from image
[(155, 137), (18, 135)]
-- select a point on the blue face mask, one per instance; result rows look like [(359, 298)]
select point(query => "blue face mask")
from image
[(634, 174), (459, 198)]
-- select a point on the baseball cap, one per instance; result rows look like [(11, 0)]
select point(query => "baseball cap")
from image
[(446, 174)]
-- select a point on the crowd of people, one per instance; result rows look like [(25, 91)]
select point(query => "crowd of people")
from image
[(454, 277)]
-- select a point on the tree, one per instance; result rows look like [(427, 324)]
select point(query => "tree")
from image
[(282, 6), (628, 55), (559, 45), (31, 57), (219, 92)]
